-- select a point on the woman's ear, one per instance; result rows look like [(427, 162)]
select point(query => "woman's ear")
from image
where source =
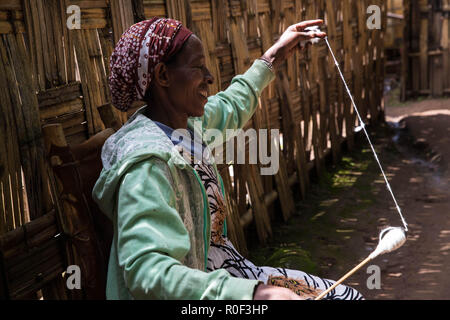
[(161, 75)]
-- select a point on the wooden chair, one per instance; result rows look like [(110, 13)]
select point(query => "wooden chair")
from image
[(34, 256), (88, 231)]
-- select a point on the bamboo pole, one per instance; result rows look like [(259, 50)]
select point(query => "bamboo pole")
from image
[(59, 28), (9, 157), (28, 125), (234, 227), (333, 84), (92, 50), (445, 40), (297, 143), (15, 130), (86, 78), (262, 220), (69, 51), (348, 48), (48, 25)]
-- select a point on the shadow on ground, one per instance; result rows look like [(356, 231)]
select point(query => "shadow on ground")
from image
[(338, 225)]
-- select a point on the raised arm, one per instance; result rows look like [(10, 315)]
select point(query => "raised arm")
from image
[(232, 108)]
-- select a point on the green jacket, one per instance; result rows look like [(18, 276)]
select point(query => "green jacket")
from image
[(159, 206)]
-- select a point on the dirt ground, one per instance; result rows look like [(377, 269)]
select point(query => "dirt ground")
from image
[(338, 225), (419, 270)]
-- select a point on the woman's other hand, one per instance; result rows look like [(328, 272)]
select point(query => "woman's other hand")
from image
[(265, 292), (290, 41)]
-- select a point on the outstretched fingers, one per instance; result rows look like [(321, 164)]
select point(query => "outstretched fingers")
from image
[(308, 23)]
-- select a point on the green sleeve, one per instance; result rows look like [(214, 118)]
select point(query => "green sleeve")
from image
[(234, 107), (152, 240)]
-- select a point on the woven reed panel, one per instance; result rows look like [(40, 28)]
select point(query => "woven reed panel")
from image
[(68, 71), (154, 8), (93, 12), (65, 105), (426, 52), (11, 16)]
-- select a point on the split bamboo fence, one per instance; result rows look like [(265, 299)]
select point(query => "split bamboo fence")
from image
[(52, 76), (393, 42), (426, 52)]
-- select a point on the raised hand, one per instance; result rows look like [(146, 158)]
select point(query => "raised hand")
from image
[(290, 41)]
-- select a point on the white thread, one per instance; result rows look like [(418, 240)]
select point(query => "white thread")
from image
[(363, 126)]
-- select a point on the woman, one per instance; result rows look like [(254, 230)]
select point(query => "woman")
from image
[(167, 204)]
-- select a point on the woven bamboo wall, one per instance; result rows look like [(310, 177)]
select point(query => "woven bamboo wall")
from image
[(50, 74), (394, 32), (426, 54)]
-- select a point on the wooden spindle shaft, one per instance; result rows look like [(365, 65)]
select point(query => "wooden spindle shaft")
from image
[(348, 274)]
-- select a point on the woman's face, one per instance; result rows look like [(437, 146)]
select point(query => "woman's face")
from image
[(189, 79)]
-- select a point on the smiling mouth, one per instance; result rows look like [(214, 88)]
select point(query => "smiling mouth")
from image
[(204, 94)]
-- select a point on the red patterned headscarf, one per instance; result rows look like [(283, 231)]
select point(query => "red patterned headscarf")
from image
[(139, 50)]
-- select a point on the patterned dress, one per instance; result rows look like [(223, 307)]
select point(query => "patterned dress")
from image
[(223, 255)]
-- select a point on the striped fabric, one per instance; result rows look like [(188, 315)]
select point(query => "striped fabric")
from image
[(223, 255)]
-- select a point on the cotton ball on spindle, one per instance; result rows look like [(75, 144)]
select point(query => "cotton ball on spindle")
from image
[(312, 29), (391, 239)]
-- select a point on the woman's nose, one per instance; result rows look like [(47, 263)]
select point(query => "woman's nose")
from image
[(209, 77)]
